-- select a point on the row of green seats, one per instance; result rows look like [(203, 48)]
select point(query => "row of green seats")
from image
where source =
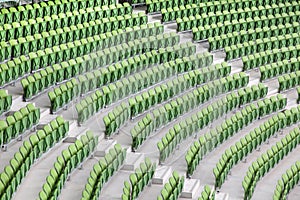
[(115, 119), (267, 161), (187, 23), (195, 122), (172, 188), (141, 177), (104, 169), (44, 78), (65, 163), (212, 30), (39, 25), (172, 13), (251, 141), (287, 182), (235, 38), (105, 75), (282, 67), (31, 150), (159, 5), (22, 120), (161, 93), (48, 8), (170, 111), (270, 56), (5, 102), (289, 81), (132, 84), (22, 65), (208, 193), (209, 141), (259, 45)]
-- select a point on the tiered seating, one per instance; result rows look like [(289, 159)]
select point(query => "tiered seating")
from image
[(5, 102), (270, 56), (288, 181), (187, 23), (159, 5), (102, 171), (172, 188), (197, 121), (208, 193), (228, 128), (15, 125), (138, 180), (42, 79), (41, 9), (204, 32), (28, 153), (239, 50), (236, 37), (66, 163), (268, 160), (134, 83), (289, 81), (251, 141), (298, 92), (282, 67)]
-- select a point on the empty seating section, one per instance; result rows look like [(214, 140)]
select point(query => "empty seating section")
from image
[(17, 123), (104, 169), (240, 37), (138, 81), (41, 9), (251, 141), (287, 182), (208, 193), (159, 5), (187, 23), (264, 163), (270, 56), (5, 102), (69, 159), (289, 81), (172, 188), (281, 67), (28, 153), (197, 121), (228, 128), (141, 177)]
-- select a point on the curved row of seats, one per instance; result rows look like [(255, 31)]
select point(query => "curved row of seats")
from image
[(138, 180), (289, 81), (287, 182), (104, 169), (5, 103), (173, 13), (195, 122), (69, 159), (204, 32), (208, 193), (218, 135), (224, 40), (158, 5), (28, 153), (173, 188), (134, 83), (264, 163), (41, 9), (282, 67), (270, 56), (20, 121), (251, 141), (172, 110), (34, 84)]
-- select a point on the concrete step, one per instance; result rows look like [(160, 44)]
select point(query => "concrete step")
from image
[(161, 175), (133, 161), (74, 132), (221, 196), (103, 147), (191, 188), (46, 120)]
